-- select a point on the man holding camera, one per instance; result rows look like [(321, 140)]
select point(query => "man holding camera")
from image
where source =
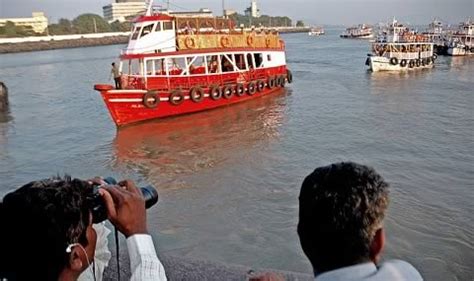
[(48, 231)]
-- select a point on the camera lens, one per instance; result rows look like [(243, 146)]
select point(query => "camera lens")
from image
[(150, 195), (149, 192)]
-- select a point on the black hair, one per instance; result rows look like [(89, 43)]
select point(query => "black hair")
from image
[(341, 207), (39, 220)]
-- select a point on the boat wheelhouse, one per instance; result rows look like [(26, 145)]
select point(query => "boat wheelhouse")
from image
[(461, 43), (400, 50), (362, 31), (175, 66)]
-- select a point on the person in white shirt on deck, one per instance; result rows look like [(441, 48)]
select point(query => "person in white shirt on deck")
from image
[(47, 231), (341, 212)]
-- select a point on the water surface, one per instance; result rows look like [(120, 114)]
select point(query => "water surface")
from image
[(229, 178)]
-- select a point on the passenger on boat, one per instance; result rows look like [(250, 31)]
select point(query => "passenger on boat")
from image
[(115, 72), (341, 212), (48, 232), (213, 65)]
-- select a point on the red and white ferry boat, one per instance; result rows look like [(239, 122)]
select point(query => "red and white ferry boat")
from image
[(175, 65)]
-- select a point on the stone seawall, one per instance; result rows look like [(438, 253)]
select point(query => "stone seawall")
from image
[(60, 44)]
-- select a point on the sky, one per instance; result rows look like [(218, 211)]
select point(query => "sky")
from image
[(337, 12)]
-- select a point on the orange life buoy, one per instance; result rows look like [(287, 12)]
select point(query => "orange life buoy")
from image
[(225, 42), (250, 40), (268, 42), (190, 43)]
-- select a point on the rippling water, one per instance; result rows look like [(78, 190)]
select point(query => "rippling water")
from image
[(229, 178)]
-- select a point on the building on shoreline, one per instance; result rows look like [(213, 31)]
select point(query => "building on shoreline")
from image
[(38, 22), (202, 13), (122, 9), (253, 11)]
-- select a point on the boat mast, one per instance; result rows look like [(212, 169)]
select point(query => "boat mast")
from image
[(149, 10)]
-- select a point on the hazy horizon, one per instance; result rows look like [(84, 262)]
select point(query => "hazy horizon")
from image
[(333, 12)]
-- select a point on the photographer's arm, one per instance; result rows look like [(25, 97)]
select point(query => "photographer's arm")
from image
[(126, 210)]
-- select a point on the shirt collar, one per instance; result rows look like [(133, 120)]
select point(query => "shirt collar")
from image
[(354, 272)]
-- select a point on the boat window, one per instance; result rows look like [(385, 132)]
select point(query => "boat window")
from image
[(269, 57), (177, 66), (226, 63), (160, 67), (196, 65), (167, 25), (147, 30), (158, 26), (250, 61), (212, 64), (136, 33), (240, 62), (131, 67), (258, 60)]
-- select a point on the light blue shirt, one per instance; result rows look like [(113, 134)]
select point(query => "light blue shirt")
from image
[(394, 270)]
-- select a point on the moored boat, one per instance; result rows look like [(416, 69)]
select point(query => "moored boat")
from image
[(362, 31), (462, 42), (401, 50), (175, 66)]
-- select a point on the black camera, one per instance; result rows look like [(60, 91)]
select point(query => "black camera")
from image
[(97, 205)]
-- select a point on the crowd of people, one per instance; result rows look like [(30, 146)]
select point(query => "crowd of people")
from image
[(49, 231)]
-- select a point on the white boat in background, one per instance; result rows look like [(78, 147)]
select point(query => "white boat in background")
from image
[(401, 50), (316, 31), (462, 42), (436, 32), (362, 31)]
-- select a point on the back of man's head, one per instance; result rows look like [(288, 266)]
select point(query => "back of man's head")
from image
[(341, 208), (39, 221)]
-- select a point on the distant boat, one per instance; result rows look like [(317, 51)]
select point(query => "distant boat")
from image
[(316, 31), (462, 42), (362, 31), (400, 49)]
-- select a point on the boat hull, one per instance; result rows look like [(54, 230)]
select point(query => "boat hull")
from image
[(369, 36), (377, 64), (460, 51), (129, 106)]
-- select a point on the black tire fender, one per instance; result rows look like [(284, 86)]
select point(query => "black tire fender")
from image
[(215, 92), (151, 99), (197, 94), (251, 88), (239, 89), (176, 97), (228, 91)]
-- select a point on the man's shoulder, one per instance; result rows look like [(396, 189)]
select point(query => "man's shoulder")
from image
[(392, 270), (398, 270)]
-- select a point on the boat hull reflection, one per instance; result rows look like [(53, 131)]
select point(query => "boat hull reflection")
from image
[(161, 151)]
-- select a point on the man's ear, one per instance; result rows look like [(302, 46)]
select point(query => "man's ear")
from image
[(75, 261), (377, 246)]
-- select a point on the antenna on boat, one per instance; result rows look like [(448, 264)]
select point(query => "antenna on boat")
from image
[(149, 10)]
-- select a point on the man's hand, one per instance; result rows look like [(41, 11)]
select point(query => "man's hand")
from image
[(125, 207)]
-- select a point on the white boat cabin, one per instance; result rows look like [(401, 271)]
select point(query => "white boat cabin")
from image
[(152, 34)]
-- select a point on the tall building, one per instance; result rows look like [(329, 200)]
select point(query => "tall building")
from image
[(38, 22), (122, 9), (253, 10)]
